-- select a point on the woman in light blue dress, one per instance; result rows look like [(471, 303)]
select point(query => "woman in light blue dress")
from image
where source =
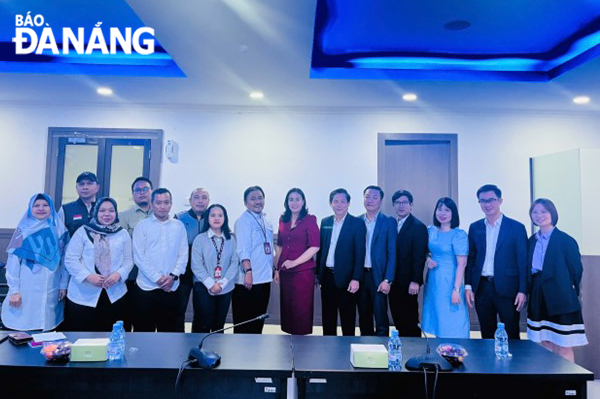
[(445, 312)]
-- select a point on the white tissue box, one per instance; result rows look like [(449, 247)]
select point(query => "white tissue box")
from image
[(369, 356), (89, 350)]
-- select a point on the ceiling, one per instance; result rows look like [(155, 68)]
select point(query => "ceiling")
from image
[(521, 40), (228, 48)]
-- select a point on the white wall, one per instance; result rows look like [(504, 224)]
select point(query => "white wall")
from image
[(228, 150), (558, 177), (590, 192)]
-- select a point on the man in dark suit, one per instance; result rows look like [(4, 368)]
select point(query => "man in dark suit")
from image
[(411, 252), (379, 267), (340, 263), (496, 273)]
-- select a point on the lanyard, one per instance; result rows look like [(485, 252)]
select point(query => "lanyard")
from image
[(262, 228), (219, 250)]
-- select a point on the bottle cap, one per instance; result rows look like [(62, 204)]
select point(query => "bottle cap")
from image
[(394, 333), (500, 325)]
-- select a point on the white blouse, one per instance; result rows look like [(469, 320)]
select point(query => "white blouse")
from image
[(79, 261), (39, 288)]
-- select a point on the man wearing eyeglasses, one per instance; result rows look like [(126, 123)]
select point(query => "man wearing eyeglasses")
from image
[(141, 191), (411, 252), (496, 273)]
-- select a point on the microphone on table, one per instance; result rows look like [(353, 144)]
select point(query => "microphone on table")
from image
[(198, 357), (429, 361)]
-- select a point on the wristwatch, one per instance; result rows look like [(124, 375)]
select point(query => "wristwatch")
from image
[(175, 278), (248, 270), (387, 281)]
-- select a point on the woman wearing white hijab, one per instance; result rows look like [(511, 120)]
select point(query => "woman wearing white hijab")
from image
[(36, 278), (99, 259)]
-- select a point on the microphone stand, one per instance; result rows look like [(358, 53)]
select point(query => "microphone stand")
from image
[(200, 358), (429, 361)]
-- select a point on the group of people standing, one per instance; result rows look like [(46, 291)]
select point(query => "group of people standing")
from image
[(141, 265)]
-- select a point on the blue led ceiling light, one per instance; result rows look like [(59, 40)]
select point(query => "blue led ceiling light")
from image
[(89, 37), (525, 40)]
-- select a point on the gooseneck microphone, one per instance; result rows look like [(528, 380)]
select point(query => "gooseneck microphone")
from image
[(426, 338), (209, 360), (428, 361)]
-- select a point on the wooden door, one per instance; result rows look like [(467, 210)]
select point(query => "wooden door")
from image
[(424, 164)]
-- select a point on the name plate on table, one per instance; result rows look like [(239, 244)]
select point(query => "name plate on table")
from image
[(89, 350), (369, 356)]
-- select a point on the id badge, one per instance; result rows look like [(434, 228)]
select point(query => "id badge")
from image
[(267, 248)]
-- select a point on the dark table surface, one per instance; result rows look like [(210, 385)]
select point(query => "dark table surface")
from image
[(330, 355), (239, 353)]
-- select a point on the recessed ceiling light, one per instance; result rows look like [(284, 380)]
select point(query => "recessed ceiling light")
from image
[(104, 91), (410, 97), (257, 95), (581, 100)]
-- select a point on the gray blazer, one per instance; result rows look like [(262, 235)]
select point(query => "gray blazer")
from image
[(204, 262)]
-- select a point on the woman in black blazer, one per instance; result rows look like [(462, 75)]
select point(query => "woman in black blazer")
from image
[(554, 314)]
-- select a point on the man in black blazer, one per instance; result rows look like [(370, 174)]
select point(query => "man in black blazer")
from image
[(340, 263), (411, 252), (496, 273)]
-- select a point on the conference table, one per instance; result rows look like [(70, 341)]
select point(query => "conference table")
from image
[(323, 369), (255, 366), (252, 366)]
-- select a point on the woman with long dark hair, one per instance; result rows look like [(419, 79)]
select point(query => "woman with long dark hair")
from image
[(554, 317), (445, 312), (215, 265), (297, 243), (37, 280), (99, 259)]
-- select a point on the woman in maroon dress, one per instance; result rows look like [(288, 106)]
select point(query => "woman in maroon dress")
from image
[(297, 242)]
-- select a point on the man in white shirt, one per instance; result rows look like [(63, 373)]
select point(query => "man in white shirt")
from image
[(340, 264), (160, 251), (254, 237), (496, 273), (411, 252)]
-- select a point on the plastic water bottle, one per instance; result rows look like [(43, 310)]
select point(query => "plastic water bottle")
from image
[(114, 344), (121, 339), (394, 352), (501, 343)]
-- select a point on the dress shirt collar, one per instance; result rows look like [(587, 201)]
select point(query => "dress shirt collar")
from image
[(497, 223), (341, 221), (139, 209), (155, 219), (212, 234), (545, 236), (366, 218)]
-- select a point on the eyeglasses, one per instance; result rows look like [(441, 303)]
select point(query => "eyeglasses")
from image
[(141, 190), (401, 203), (488, 201)]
